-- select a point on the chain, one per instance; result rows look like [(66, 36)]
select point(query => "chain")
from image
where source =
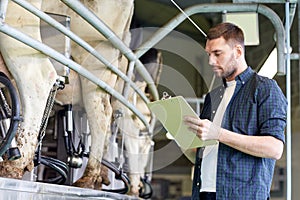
[(5, 104), (50, 102)]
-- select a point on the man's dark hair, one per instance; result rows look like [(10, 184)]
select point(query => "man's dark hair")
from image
[(228, 31)]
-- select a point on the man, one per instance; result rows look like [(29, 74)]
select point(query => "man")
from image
[(247, 117)]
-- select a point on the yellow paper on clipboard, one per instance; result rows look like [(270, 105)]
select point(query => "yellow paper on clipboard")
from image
[(170, 113)]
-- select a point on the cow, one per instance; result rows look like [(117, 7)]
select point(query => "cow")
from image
[(35, 75), (138, 141)]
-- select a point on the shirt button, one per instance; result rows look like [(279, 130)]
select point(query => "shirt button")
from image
[(243, 82), (221, 97), (198, 184), (213, 111)]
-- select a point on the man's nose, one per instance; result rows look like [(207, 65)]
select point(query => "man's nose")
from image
[(211, 60)]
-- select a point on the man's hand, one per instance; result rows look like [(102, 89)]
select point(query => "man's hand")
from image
[(204, 129)]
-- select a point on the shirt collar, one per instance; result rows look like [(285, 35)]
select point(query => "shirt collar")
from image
[(245, 75), (242, 77)]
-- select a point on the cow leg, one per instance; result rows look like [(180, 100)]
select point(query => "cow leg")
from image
[(117, 15), (99, 111), (131, 138), (137, 150), (34, 75)]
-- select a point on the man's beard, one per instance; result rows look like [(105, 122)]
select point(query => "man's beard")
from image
[(231, 69)]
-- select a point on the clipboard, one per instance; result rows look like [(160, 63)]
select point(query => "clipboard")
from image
[(170, 113)]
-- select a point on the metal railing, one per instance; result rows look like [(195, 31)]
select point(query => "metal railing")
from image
[(99, 26)]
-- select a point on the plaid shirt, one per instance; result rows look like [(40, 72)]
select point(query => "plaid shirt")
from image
[(258, 107)]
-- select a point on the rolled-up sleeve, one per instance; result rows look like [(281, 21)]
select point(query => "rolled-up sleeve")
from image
[(272, 108)]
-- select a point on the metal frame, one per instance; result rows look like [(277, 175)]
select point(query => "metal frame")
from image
[(220, 8), (102, 28), (288, 96)]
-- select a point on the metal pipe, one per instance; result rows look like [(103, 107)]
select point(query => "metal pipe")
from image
[(295, 56), (80, 42), (277, 23), (292, 12), (221, 7), (14, 33), (129, 74), (288, 96), (97, 23), (3, 7), (197, 102)]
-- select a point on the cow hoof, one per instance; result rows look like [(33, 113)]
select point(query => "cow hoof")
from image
[(98, 185), (8, 171), (85, 182), (104, 175)]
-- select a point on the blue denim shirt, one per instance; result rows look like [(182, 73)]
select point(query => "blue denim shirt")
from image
[(258, 107)]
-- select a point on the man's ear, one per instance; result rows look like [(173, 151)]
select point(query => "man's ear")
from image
[(239, 51)]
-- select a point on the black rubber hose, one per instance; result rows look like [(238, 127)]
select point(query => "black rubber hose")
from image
[(120, 176), (60, 167), (146, 191), (15, 110)]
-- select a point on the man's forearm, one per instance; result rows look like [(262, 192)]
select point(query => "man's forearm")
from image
[(260, 146)]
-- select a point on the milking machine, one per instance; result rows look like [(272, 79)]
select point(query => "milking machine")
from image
[(59, 166), (77, 152)]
